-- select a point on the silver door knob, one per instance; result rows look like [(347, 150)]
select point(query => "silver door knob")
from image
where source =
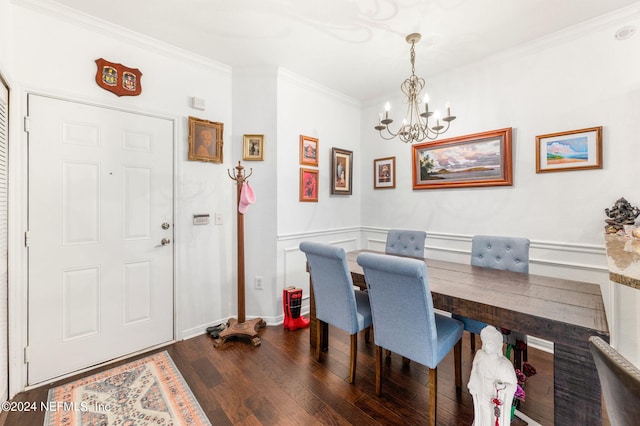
[(165, 241), (165, 225)]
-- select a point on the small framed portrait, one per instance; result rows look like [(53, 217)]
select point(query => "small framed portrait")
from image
[(253, 148), (384, 173), (308, 151), (571, 150), (309, 185), (205, 140), (341, 164)]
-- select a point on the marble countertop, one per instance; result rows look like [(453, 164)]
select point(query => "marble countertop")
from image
[(623, 256)]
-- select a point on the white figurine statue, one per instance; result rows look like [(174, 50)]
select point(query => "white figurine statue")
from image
[(493, 381)]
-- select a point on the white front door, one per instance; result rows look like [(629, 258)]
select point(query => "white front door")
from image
[(100, 206)]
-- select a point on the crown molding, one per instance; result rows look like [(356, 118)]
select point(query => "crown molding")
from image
[(93, 24)]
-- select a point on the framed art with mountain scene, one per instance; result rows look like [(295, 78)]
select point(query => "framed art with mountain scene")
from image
[(572, 150), (480, 159)]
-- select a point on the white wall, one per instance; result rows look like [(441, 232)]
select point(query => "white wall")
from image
[(255, 112), (582, 77), (56, 57), (564, 83), (306, 108)]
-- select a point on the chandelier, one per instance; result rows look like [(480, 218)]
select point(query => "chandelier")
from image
[(415, 125)]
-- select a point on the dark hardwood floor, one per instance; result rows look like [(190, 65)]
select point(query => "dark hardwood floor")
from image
[(280, 383)]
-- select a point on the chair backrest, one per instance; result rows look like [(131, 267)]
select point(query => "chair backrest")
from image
[(620, 381), (508, 253), (405, 243), (332, 285), (401, 306)]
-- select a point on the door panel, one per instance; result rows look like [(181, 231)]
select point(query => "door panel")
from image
[(100, 188)]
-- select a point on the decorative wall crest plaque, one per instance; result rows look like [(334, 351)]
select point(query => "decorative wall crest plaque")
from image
[(118, 79)]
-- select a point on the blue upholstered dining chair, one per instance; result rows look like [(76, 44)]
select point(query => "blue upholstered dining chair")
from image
[(497, 252), (405, 242), (404, 320), (337, 303)]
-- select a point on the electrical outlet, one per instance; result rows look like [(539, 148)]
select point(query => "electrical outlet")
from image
[(218, 218), (258, 282)]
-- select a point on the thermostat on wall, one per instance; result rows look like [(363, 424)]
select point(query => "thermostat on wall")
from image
[(201, 219)]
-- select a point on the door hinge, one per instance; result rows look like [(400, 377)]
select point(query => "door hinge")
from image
[(26, 239), (27, 124), (26, 354)]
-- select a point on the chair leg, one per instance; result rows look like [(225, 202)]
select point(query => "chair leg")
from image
[(367, 334), (473, 342), (378, 370), (517, 358), (433, 400), (353, 358), (320, 325), (457, 360)]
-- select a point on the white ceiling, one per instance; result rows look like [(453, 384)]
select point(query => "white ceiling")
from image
[(356, 47)]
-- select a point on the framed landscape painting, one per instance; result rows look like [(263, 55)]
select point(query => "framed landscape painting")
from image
[(572, 150), (480, 159)]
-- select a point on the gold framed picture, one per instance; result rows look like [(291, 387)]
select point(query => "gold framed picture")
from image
[(253, 148), (205, 140)]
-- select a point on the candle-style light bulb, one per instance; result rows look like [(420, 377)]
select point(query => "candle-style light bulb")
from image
[(425, 99), (387, 107), (448, 109)]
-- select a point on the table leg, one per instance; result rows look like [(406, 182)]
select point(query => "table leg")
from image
[(314, 324), (577, 395)]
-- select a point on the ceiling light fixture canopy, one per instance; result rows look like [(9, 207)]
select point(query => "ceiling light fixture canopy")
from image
[(415, 125)]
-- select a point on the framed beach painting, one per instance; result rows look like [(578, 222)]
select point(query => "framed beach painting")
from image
[(480, 159), (571, 150)]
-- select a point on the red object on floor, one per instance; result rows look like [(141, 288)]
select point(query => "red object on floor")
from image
[(292, 303)]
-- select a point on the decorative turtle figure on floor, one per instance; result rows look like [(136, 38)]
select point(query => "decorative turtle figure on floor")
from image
[(622, 213)]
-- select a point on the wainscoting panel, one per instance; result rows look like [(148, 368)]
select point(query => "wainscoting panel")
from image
[(580, 262), (292, 262)]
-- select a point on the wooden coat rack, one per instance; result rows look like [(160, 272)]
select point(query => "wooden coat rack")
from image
[(241, 328)]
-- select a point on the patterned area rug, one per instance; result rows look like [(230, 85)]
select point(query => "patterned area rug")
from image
[(148, 391)]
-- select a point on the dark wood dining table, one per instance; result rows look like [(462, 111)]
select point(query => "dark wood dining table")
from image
[(562, 311)]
